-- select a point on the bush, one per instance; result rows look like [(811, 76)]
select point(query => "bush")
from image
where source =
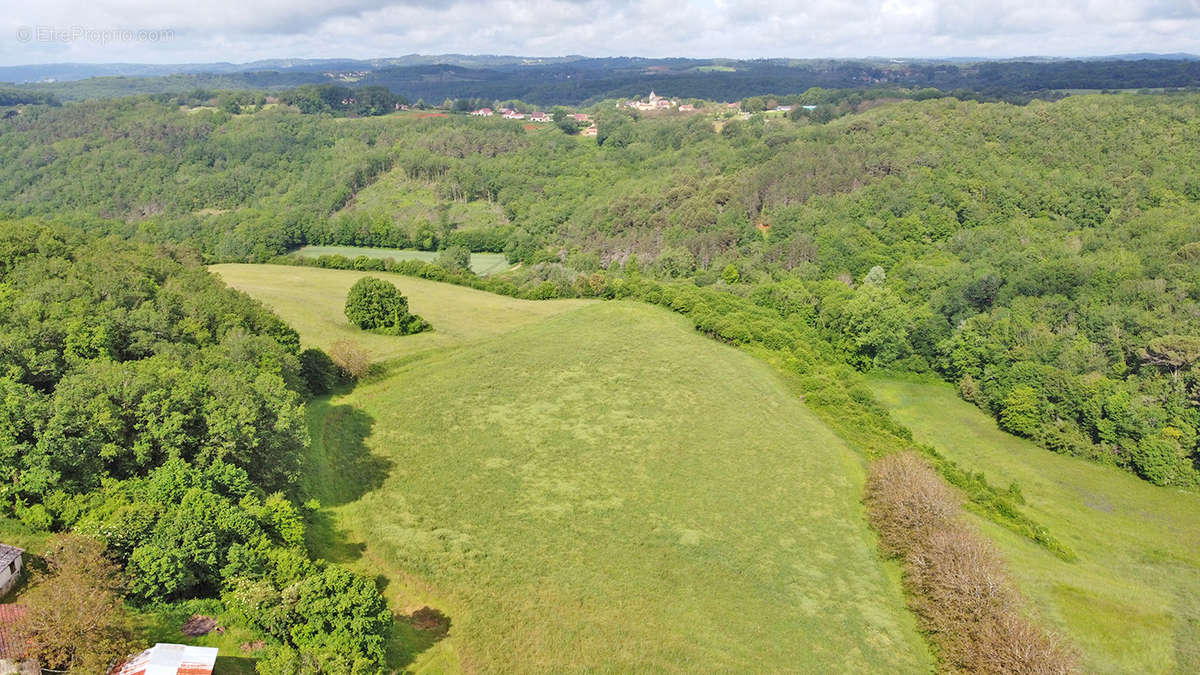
[(960, 591), (455, 259), (350, 358), (376, 305), (319, 371)]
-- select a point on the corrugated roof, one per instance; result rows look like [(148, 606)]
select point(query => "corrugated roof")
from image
[(9, 615), (9, 554), (170, 659)]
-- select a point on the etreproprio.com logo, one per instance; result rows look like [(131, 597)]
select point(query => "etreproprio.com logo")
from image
[(100, 36)]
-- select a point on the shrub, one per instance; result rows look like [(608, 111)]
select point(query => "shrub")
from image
[(376, 305), (350, 358), (958, 586), (455, 259), (319, 371)]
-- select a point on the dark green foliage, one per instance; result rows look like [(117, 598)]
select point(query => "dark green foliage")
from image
[(120, 359), (319, 371), (315, 610), (145, 404), (376, 305), (25, 97)]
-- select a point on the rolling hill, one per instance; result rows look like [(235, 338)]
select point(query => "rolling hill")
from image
[(595, 488)]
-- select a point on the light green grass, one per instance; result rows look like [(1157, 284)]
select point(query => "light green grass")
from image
[(313, 302), (481, 263), (1132, 601), (605, 490), (393, 192), (585, 486), (411, 201)]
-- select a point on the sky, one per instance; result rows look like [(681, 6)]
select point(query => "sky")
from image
[(202, 31)]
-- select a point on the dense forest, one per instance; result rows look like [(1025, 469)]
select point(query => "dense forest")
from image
[(148, 406), (1045, 257)]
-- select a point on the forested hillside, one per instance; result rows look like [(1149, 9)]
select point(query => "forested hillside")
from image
[(1044, 257), (146, 405)]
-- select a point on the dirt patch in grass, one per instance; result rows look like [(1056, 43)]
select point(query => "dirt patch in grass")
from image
[(198, 624), (430, 620)]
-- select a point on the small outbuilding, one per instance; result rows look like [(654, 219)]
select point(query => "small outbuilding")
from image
[(11, 559)]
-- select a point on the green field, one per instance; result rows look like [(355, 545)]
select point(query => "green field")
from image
[(481, 263), (313, 302), (594, 487), (1132, 601)]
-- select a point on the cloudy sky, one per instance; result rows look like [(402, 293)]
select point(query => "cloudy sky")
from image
[(171, 31)]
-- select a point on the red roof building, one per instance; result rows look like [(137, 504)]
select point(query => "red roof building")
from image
[(9, 616)]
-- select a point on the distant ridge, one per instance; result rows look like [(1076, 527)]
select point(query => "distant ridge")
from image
[(60, 72)]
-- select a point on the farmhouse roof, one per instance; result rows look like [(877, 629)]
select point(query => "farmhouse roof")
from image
[(9, 615), (170, 659)]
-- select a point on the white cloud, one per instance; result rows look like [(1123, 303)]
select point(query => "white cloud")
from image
[(242, 30)]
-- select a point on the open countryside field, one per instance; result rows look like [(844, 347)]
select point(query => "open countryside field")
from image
[(481, 263), (1132, 601), (597, 488), (313, 302)]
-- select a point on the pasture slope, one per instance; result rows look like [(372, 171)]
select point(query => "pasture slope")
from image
[(1131, 603), (586, 486)]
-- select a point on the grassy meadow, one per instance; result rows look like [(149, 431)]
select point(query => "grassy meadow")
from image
[(590, 487), (313, 302), (1132, 601), (481, 263)]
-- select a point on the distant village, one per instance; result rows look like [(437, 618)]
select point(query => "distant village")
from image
[(538, 117)]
